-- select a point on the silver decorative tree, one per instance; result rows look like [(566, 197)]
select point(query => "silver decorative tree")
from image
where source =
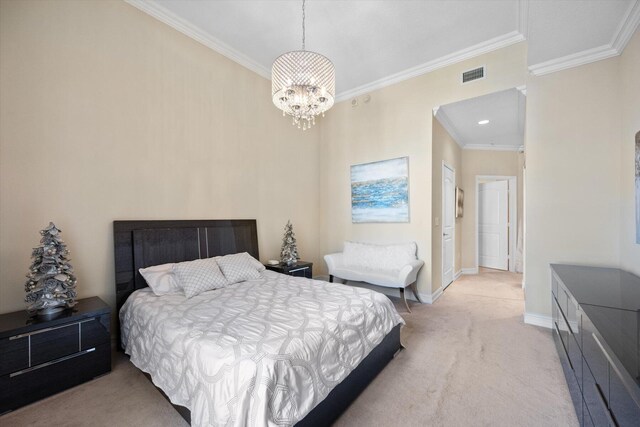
[(51, 284), (289, 250)]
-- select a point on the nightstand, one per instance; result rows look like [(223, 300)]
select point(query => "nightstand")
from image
[(299, 269), (41, 357)]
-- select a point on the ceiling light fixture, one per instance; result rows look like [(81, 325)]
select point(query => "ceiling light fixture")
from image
[(303, 83), (483, 122)]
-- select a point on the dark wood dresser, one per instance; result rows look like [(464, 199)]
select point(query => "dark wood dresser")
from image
[(596, 327), (299, 269), (41, 357)]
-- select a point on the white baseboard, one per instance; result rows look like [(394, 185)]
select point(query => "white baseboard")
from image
[(538, 320), (431, 298), (473, 270), (457, 275)]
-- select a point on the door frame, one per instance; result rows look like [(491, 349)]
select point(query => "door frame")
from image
[(513, 215), (453, 239)]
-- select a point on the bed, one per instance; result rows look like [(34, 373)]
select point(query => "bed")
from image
[(278, 350)]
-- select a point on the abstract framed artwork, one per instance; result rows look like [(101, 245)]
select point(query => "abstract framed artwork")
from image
[(380, 191), (637, 188)]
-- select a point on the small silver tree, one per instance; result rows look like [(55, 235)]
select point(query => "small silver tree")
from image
[(51, 284), (289, 250)]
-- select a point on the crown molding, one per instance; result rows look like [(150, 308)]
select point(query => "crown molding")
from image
[(461, 55), (523, 18), (621, 37), (489, 147), (574, 60), (627, 27), (166, 16), (440, 115)]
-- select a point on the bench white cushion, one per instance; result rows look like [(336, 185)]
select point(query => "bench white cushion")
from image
[(393, 266), (379, 257)]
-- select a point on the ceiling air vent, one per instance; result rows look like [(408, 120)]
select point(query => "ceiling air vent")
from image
[(471, 75)]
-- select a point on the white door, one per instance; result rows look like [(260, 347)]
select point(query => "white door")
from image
[(493, 225), (448, 224)]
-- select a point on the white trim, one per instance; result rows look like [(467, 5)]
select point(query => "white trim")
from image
[(573, 60), (512, 187), (538, 320), (440, 115), (457, 275), (453, 58), (188, 29), (523, 18), (432, 297), (469, 270), (522, 89), (621, 37), (489, 147), (627, 27), (453, 238)]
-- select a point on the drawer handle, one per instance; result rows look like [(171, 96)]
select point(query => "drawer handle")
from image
[(42, 365), (298, 269), (610, 418), (563, 347), (40, 331)]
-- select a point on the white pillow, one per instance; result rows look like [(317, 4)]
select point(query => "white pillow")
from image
[(240, 267), (161, 279), (199, 276)]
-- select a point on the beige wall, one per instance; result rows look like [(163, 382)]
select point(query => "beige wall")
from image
[(109, 114), (482, 162), (445, 149), (630, 103), (398, 122), (573, 174)]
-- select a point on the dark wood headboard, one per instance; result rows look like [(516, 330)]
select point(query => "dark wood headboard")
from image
[(140, 244)]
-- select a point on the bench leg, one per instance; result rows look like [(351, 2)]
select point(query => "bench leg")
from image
[(331, 278), (414, 289), (404, 298)]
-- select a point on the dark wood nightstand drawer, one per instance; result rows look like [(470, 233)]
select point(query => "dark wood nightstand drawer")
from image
[(299, 269), (27, 386), (94, 332), (51, 344), (14, 354)]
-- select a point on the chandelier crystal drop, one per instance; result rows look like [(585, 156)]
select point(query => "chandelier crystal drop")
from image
[(303, 83)]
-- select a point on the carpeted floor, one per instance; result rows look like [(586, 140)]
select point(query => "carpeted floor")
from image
[(469, 361)]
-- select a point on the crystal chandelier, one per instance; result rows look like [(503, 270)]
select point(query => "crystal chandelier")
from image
[(303, 83)]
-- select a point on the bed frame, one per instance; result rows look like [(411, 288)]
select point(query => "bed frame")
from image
[(140, 244)]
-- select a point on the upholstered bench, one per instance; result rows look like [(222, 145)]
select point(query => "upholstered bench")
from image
[(391, 266)]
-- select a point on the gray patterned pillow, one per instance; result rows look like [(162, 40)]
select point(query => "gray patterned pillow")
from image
[(240, 267), (198, 276)]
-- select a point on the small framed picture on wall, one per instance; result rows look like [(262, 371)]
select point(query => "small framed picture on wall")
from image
[(459, 202)]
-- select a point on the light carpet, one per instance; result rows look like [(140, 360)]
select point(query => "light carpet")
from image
[(469, 361)]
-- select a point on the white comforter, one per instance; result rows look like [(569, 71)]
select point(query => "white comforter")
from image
[(258, 353)]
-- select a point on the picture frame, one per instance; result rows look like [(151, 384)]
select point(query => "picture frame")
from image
[(380, 191), (459, 202)]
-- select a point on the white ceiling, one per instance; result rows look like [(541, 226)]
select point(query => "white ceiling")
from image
[(505, 111), (376, 43)]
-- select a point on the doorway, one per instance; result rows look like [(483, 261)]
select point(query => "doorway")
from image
[(496, 222), (448, 224)]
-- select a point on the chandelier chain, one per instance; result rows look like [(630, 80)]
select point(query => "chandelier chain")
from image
[(303, 27)]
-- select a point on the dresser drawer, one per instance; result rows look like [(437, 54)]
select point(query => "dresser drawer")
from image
[(27, 386), (51, 344), (95, 332), (625, 410), (596, 394), (14, 354)]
